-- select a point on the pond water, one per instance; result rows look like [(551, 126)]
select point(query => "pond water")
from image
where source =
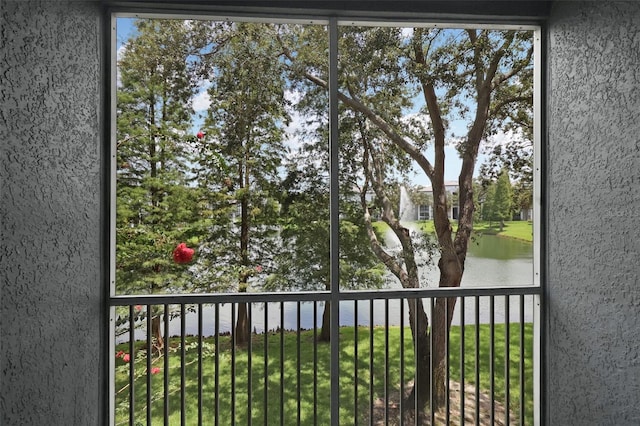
[(491, 261)]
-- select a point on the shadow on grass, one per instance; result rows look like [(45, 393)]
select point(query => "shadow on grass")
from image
[(300, 391)]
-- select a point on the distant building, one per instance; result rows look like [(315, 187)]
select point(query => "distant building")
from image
[(417, 203)]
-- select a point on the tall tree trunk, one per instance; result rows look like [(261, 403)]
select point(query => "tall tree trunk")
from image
[(418, 398), (242, 325), (156, 333), (243, 328), (442, 317), (325, 331), (430, 375)]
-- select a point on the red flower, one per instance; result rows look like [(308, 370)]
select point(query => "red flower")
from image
[(155, 370), (200, 135), (258, 268), (119, 354), (126, 357), (182, 254), (138, 308)]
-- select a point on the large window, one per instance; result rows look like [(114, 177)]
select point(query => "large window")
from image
[(221, 143), (321, 157)]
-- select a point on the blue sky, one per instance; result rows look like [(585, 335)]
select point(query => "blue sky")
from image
[(126, 29)]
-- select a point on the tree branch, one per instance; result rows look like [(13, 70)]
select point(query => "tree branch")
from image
[(395, 268), (508, 101), (515, 70), (357, 105)]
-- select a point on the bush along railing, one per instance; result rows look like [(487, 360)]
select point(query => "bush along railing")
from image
[(176, 359)]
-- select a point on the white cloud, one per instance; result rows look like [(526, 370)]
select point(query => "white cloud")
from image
[(120, 51), (503, 138), (293, 130), (298, 124), (293, 96), (416, 120), (406, 32), (416, 125), (201, 101)]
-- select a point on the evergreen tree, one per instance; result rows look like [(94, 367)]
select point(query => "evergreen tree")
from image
[(502, 199), (304, 258), (240, 156), (155, 204)]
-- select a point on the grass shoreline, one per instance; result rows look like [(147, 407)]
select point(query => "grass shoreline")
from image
[(516, 229)]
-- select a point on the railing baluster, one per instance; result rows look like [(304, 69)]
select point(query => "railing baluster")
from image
[(233, 363), (386, 361), (149, 358), (462, 354), (371, 361), (183, 372), (401, 399), (298, 362), (281, 363), (477, 363), (166, 365), (250, 365), (522, 377), (355, 363), (266, 364), (315, 362), (492, 364), (431, 365), (132, 359), (200, 381), (216, 356), (447, 402), (507, 343), (415, 364)]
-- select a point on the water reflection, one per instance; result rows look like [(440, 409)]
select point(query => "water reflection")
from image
[(492, 261), (494, 247)]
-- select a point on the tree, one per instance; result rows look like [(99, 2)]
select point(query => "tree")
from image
[(477, 75), (304, 257), (502, 200), (488, 204), (515, 157), (240, 157), (155, 205)]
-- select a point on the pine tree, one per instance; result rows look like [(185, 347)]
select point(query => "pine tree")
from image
[(502, 199), (239, 160), (154, 201)]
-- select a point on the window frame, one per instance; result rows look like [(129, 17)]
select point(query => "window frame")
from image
[(333, 19)]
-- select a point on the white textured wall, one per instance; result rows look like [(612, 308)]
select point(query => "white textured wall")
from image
[(594, 214), (50, 168)]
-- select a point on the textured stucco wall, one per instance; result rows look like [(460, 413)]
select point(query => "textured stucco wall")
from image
[(50, 167), (593, 205)]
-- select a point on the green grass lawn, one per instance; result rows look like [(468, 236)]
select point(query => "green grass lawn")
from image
[(357, 375), (518, 229)]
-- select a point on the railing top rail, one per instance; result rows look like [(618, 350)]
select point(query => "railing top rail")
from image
[(311, 296)]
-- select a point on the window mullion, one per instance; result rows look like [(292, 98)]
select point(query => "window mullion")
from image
[(334, 219)]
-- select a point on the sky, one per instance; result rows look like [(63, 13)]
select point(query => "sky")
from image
[(126, 29)]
